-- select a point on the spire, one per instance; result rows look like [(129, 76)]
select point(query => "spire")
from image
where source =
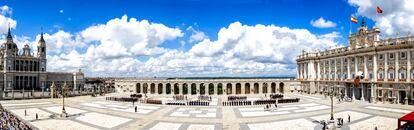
[(41, 36), (9, 33)]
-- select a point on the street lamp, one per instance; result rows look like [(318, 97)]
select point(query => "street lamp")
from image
[(332, 118)]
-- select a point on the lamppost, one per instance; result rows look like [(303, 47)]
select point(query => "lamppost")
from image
[(331, 95), (64, 91)]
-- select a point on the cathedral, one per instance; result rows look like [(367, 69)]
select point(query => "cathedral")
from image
[(24, 72)]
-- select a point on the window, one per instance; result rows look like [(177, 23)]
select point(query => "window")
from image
[(43, 49), (402, 74), (380, 93), (380, 56), (391, 74), (381, 74), (352, 76), (370, 75), (391, 55), (390, 93), (402, 55), (412, 74)]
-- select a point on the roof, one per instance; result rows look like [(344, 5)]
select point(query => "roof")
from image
[(408, 118)]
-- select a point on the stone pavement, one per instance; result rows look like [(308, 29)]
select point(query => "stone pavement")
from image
[(91, 113)]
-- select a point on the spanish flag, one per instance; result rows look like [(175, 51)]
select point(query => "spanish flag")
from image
[(354, 20)]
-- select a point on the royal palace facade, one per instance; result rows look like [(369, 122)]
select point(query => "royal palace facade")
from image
[(24, 75), (386, 67)]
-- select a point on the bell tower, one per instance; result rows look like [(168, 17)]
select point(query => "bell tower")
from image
[(41, 53)]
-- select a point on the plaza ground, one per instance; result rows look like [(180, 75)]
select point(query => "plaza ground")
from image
[(90, 113)]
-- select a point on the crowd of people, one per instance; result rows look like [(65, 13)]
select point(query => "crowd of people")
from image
[(264, 101), (175, 102), (138, 95), (237, 103), (10, 122), (233, 98), (153, 101), (276, 96), (288, 100), (179, 97), (122, 99), (204, 97), (198, 103)]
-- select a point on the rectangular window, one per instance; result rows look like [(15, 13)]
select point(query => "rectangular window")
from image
[(403, 55), (391, 55), (370, 76), (380, 56), (390, 93), (379, 92)]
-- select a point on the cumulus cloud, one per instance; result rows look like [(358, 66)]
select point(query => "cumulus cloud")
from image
[(322, 23), (5, 20), (397, 15), (196, 35), (5, 10), (61, 11)]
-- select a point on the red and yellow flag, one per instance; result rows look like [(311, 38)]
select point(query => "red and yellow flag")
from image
[(354, 20)]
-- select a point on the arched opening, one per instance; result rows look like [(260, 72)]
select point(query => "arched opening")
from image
[(211, 89), (176, 89), (152, 89), (228, 88), (264, 87), (238, 88), (247, 88), (145, 87), (160, 88), (168, 88), (220, 89), (138, 88), (281, 87), (185, 88), (273, 86), (202, 88), (256, 88), (193, 89)]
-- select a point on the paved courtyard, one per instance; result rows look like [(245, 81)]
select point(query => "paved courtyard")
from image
[(95, 113)]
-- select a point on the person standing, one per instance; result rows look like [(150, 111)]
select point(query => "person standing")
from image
[(25, 113), (37, 117), (135, 108), (349, 118)]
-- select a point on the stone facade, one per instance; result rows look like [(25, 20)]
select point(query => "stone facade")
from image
[(385, 65), (206, 86), (24, 75)]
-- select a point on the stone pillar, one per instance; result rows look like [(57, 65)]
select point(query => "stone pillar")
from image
[(260, 88), (385, 67), (181, 91), (362, 92), (243, 88), (164, 89), (156, 88), (269, 88), (396, 75), (349, 68), (198, 88), (233, 89), (189, 89), (215, 89), (206, 88)]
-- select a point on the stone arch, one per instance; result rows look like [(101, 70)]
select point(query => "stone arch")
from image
[(152, 88), (228, 88), (219, 88), (247, 88), (211, 89), (264, 88), (176, 88), (273, 87), (193, 89), (281, 87), (138, 88), (160, 88), (256, 88), (145, 88), (238, 88), (185, 88), (202, 88), (168, 88)]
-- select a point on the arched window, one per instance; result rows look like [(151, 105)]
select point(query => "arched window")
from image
[(370, 75), (402, 74), (391, 73), (380, 74)]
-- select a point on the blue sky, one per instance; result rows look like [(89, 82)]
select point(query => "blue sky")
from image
[(206, 16)]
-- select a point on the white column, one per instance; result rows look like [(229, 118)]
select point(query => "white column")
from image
[(396, 67), (243, 88), (198, 91), (180, 87), (386, 67), (373, 87), (156, 88), (233, 89), (260, 88), (215, 89), (318, 71), (342, 69), (349, 68), (408, 74), (335, 71), (189, 89), (206, 88)]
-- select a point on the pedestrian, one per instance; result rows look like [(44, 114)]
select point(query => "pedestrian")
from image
[(25, 113), (324, 125), (375, 128), (37, 117), (135, 108), (349, 118)]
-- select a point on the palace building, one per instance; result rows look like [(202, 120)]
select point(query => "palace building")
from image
[(24, 75), (385, 65)]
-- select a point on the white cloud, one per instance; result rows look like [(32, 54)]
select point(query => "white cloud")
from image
[(5, 22), (61, 11), (196, 35), (5, 10), (397, 15), (322, 23)]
